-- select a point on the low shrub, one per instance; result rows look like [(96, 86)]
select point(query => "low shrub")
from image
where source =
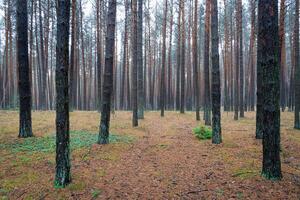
[(203, 132)]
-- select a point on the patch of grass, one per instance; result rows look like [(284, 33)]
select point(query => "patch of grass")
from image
[(74, 187), (96, 193), (20, 181), (79, 139), (244, 173), (203, 132)]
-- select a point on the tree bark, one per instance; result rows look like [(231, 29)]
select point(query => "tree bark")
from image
[(108, 73), (297, 68), (134, 47), (25, 129), (216, 86), (207, 108), (63, 165), (195, 60), (267, 61), (163, 68)]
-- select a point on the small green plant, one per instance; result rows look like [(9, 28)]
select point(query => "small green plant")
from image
[(203, 132), (96, 193)]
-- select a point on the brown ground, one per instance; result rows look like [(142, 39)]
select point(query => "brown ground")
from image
[(165, 161)]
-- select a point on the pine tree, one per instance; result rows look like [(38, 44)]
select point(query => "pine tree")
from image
[(216, 87), (140, 67), (297, 68), (25, 129), (63, 165), (195, 61), (134, 47), (108, 73), (267, 61)]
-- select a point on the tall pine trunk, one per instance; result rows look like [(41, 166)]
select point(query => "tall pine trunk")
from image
[(163, 67), (134, 47), (182, 59), (195, 60), (140, 66), (25, 129), (63, 165), (108, 73), (297, 68), (216, 85), (207, 106), (267, 61)]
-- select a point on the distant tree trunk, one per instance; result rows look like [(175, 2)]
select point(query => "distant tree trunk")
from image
[(178, 50), (251, 54), (237, 63), (99, 54), (182, 59), (140, 66), (84, 95), (134, 63), (63, 165), (282, 56), (297, 68), (268, 47), (25, 129), (241, 62), (163, 68), (72, 64), (170, 66), (43, 69), (125, 55), (216, 86), (207, 107), (108, 73), (195, 61)]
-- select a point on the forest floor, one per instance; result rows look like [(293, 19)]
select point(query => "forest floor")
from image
[(160, 159)]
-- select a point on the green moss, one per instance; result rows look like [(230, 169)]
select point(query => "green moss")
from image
[(203, 132), (79, 139)]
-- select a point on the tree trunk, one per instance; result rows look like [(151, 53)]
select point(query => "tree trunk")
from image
[(63, 165), (25, 129), (207, 108), (195, 59), (216, 86), (282, 56), (134, 47), (108, 73), (182, 59), (163, 68), (241, 62), (297, 68), (268, 47), (140, 66)]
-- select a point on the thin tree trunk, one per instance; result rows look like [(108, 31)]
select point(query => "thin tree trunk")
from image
[(297, 68), (134, 47), (216, 86), (195, 61)]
